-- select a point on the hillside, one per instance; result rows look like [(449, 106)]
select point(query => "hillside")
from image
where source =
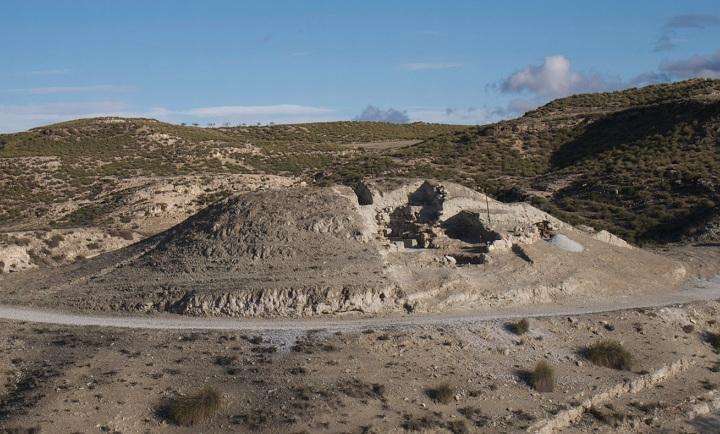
[(55, 175), (642, 163)]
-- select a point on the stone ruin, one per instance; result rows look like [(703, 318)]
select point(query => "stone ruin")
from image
[(431, 215)]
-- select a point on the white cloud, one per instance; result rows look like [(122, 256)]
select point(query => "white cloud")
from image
[(421, 66), (52, 90), (554, 78), (254, 110), (22, 117)]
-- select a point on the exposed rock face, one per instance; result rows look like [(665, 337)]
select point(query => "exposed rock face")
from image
[(433, 215), (14, 258)]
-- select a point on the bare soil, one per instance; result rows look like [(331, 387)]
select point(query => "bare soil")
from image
[(376, 380)]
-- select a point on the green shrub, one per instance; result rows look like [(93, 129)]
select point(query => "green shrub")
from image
[(610, 354), (543, 377), (196, 408)]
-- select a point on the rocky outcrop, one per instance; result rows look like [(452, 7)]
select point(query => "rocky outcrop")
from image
[(286, 302), (567, 417)]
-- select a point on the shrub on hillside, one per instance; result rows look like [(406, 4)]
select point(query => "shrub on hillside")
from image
[(543, 377), (611, 354), (196, 408)]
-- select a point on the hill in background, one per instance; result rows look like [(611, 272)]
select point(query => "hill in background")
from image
[(642, 163)]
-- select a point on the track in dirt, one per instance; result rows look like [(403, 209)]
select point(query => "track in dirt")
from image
[(701, 290)]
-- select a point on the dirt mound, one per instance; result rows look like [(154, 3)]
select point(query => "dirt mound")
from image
[(274, 252), (382, 246)]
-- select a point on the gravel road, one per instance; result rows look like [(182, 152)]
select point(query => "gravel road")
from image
[(699, 290)]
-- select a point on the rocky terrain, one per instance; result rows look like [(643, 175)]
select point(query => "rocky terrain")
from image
[(576, 158), (373, 380), (324, 224), (386, 246)]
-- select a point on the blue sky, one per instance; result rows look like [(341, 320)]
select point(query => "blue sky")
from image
[(297, 61)]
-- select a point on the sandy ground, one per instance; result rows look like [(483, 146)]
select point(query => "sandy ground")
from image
[(66, 379)]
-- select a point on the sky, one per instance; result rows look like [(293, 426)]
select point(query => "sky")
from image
[(218, 61)]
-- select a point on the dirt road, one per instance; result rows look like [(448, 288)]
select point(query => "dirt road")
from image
[(700, 290)]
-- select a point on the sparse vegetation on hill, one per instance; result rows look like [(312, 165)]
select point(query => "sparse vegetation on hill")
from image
[(78, 160), (641, 163)]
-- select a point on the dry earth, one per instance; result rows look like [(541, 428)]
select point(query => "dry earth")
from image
[(132, 209), (86, 379), (380, 250)]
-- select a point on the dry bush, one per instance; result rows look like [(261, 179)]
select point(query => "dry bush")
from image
[(443, 393), (611, 354), (196, 408), (714, 340), (543, 377), (521, 327), (458, 427), (54, 241)]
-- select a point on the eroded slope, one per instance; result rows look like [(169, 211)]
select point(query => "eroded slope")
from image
[(385, 246)]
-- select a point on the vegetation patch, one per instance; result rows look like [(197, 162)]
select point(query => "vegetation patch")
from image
[(543, 377), (196, 408), (610, 354), (714, 340), (442, 394), (519, 328)]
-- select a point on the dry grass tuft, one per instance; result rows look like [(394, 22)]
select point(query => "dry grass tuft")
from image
[(196, 408), (714, 340), (443, 393), (521, 327), (543, 377), (611, 354)]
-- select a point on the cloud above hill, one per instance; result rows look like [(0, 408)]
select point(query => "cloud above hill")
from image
[(707, 66), (554, 78), (372, 113)]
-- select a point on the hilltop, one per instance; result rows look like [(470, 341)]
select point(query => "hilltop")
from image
[(79, 160), (579, 158)]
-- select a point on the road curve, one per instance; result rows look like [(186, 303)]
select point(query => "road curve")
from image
[(700, 290)]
